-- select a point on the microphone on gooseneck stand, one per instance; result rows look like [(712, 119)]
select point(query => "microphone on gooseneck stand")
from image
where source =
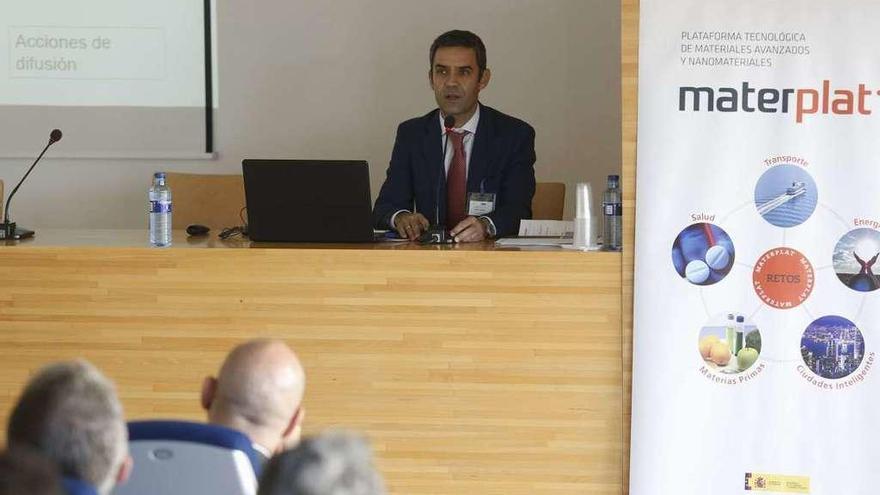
[(9, 231), (437, 233)]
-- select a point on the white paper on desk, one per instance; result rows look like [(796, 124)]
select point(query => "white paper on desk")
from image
[(546, 228)]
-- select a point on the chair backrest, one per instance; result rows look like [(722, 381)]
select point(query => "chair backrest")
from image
[(548, 201), (209, 199), (183, 458)]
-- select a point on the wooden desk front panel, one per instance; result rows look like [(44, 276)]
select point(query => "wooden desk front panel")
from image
[(472, 372)]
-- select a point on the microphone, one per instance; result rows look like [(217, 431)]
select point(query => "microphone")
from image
[(9, 231), (437, 233)]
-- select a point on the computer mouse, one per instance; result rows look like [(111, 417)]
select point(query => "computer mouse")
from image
[(197, 229)]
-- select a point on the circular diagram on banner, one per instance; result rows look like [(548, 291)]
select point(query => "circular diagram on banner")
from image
[(855, 258), (703, 253), (783, 278), (729, 344), (786, 195), (832, 347)]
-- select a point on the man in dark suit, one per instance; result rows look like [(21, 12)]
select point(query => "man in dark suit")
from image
[(484, 185)]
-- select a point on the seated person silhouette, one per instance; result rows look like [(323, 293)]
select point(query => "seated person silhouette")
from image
[(259, 392), (69, 413)]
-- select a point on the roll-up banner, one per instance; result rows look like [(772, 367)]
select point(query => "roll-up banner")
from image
[(757, 286)]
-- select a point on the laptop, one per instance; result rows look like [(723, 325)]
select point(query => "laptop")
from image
[(308, 200)]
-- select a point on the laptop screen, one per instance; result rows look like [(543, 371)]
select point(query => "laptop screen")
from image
[(308, 200)]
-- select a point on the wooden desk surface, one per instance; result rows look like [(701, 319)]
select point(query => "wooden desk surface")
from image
[(472, 370), (109, 238)]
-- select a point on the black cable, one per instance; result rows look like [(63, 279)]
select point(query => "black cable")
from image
[(238, 230)]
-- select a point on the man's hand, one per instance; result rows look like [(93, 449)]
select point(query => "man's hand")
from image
[(471, 229), (410, 225)]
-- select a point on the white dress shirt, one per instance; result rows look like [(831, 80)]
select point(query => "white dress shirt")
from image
[(471, 128), (262, 450)]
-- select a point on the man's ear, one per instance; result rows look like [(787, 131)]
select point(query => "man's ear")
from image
[(209, 391), (431, 78), (293, 432), (124, 470), (484, 79)]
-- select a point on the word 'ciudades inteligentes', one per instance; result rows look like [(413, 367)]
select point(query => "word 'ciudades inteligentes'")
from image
[(804, 102)]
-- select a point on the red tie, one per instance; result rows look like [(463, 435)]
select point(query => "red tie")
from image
[(456, 181)]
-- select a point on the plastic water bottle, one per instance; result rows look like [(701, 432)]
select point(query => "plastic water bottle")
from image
[(160, 211), (612, 211)]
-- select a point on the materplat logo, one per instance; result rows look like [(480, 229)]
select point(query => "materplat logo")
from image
[(803, 102)]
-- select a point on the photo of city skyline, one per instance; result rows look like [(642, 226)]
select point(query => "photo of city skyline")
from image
[(832, 347)]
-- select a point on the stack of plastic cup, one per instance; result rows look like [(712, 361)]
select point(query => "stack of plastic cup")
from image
[(583, 226)]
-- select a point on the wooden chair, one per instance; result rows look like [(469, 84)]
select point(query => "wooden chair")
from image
[(209, 199), (548, 201)]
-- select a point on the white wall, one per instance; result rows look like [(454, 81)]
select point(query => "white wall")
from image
[(332, 79)]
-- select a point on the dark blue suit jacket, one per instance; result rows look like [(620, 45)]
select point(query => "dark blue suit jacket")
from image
[(73, 486), (502, 162)]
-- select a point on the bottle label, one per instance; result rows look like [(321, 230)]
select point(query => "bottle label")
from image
[(612, 209), (160, 206)]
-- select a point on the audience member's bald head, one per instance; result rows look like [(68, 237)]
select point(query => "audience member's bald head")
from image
[(258, 391)]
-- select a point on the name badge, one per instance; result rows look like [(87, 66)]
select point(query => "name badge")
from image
[(480, 204)]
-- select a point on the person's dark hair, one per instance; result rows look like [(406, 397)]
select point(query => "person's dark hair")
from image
[(24, 472), (464, 39), (333, 463)]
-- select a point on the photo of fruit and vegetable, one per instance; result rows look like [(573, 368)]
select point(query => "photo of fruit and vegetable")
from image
[(730, 343)]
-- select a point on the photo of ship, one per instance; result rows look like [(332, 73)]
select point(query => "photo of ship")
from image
[(786, 195), (832, 347), (796, 189)]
